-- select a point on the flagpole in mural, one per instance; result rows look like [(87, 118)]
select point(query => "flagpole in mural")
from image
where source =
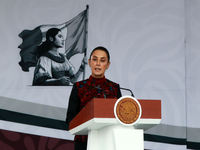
[(86, 34), (75, 38)]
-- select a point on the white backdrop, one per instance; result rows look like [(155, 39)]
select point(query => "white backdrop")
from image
[(154, 52), (193, 69)]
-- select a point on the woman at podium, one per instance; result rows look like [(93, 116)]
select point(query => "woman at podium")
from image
[(96, 86)]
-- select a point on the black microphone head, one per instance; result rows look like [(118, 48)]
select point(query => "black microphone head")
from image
[(132, 94)]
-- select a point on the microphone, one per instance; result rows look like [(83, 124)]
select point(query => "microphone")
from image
[(98, 87), (128, 90)]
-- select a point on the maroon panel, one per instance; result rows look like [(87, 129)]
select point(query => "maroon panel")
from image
[(10, 140)]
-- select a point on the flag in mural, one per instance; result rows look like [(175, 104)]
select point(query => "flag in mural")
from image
[(75, 39)]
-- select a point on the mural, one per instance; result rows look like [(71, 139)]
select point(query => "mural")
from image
[(40, 49)]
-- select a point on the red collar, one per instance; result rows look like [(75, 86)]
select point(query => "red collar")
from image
[(97, 80)]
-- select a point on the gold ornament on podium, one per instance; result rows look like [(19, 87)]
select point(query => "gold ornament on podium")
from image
[(127, 110)]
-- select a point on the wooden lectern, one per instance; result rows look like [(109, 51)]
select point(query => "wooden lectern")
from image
[(97, 120)]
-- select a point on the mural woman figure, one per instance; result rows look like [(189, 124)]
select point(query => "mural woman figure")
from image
[(53, 68)]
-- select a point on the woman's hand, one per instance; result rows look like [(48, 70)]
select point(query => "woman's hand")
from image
[(84, 61), (64, 80)]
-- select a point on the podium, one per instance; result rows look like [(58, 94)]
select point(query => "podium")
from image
[(98, 120)]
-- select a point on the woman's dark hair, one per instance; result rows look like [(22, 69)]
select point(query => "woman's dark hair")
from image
[(45, 46), (102, 49)]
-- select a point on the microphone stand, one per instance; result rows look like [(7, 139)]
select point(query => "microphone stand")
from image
[(104, 94), (128, 90)]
